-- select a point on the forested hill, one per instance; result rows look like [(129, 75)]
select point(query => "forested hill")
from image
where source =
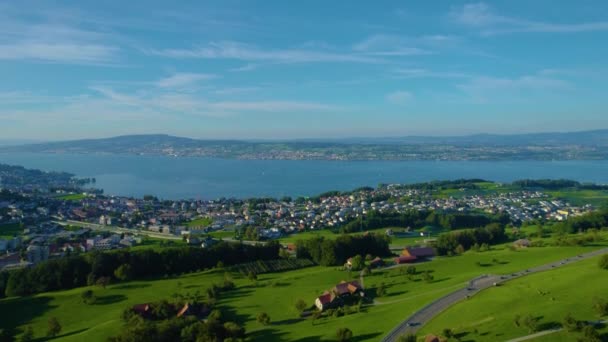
[(591, 145)]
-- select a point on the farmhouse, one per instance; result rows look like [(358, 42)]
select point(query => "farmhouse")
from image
[(418, 252), (325, 301), (347, 288), (405, 259), (334, 297)]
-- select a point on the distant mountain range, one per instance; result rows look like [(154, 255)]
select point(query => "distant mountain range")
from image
[(569, 145)]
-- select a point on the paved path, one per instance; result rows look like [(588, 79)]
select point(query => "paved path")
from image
[(422, 316)]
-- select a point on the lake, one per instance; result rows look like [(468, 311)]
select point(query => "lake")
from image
[(175, 178)]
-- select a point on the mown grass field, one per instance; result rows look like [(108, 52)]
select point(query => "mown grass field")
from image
[(200, 222), (72, 197), (327, 234), (276, 294), (489, 316), (484, 188), (581, 197)]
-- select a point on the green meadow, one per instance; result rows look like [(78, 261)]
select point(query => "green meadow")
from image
[(276, 294), (72, 197), (200, 222), (549, 296)]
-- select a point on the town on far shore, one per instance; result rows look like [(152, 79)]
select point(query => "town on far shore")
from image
[(49, 215)]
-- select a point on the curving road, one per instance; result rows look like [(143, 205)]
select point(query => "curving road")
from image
[(422, 316)]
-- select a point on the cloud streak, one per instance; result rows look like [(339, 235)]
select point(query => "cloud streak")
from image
[(481, 16), (178, 80), (246, 52), (47, 40), (399, 97)]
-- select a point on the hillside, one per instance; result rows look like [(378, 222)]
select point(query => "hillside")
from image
[(590, 145)]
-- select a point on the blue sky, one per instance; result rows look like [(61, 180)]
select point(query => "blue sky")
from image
[(287, 69)]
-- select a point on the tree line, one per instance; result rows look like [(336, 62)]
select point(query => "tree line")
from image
[(421, 218), (463, 240), (90, 268), (592, 220), (328, 252)]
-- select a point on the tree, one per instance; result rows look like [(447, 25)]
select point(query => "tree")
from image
[(301, 305), (103, 282), (460, 249), (344, 334), (427, 276), (54, 328), (381, 290), (88, 297), (234, 330), (284, 254), (252, 276), (517, 320), (447, 333), (123, 272), (603, 262), (263, 318), (407, 338), (530, 322), (28, 335), (571, 324), (411, 270), (600, 306), (590, 334), (357, 263)]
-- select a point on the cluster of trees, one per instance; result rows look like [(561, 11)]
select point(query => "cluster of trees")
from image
[(556, 184), (595, 219), (329, 252), (447, 184), (461, 241), (421, 218), (171, 328), (90, 268)]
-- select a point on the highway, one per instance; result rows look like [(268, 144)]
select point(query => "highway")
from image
[(118, 230), (418, 319)]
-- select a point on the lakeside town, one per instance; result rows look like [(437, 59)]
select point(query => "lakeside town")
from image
[(58, 220)]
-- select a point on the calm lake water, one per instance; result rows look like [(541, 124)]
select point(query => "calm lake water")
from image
[(175, 178)]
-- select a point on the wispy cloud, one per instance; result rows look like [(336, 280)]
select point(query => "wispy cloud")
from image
[(247, 52), (388, 45), (246, 67), (482, 88), (481, 16), (65, 52), (50, 40), (426, 73), (399, 97), (178, 80), (195, 105)]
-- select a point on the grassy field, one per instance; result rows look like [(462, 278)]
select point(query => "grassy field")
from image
[(325, 233), (152, 243), (275, 294), (10, 230), (581, 197), (489, 316), (200, 222), (72, 197), (222, 234), (484, 188)]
